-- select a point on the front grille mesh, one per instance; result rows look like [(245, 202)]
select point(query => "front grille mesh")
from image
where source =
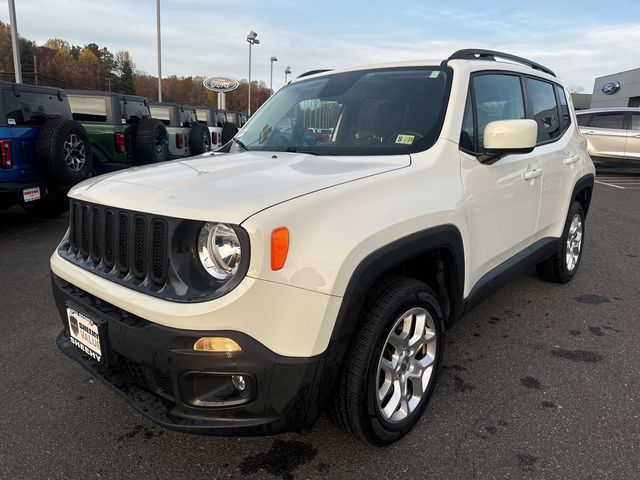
[(119, 241)]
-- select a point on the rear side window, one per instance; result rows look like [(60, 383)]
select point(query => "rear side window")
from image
[(88, 109), (635, 121), (135, 110), (584, 120), (497, 97), (202, 115), (565, 117), (189, 117), (221, 119), (543, 109), (33, 108), (607, 120), (161, 113)]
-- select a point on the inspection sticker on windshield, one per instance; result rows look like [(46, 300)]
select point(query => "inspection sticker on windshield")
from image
[(405, 139)]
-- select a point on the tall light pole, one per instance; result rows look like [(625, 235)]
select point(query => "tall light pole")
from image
[(14, 41), (159, 52), (287, 71), (273, 59), (251, 38)]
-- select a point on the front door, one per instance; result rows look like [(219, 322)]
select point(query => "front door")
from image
[(502, 198)]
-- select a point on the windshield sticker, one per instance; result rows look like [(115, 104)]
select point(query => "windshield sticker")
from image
[(405, 139), (11, 121), (434, 74)]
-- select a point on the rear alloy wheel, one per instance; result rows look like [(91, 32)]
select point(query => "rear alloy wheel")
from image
[(63, 152), (390, 371), (563, 265), (199, 139), (151, 141)]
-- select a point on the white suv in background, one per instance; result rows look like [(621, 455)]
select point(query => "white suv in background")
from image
[(613, 135), (246, 292)]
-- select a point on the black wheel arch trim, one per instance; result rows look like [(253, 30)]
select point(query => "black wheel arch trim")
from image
[(584, 183), (367, 273)]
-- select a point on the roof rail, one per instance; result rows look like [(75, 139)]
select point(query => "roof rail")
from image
[(479, 54), (313, 72)]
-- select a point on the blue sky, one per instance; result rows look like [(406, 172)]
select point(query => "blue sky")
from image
[(580, 40)]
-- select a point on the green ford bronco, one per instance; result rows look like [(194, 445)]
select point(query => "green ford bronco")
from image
[(120, 128)]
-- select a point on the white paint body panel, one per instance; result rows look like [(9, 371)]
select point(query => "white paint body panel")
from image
[(338, 210)]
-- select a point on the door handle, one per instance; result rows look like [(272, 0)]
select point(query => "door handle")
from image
[(572, 159), (637, 135), (531, 174), (588, 132)]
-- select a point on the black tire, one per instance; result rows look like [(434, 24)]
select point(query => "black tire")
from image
[(63, 152), (229, 131), (354, 406), (47, 207), (555, 268), (152, 141), (199, 139)]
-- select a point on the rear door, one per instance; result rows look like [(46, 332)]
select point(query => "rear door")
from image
[(502, 204), (632, 148), (606, 134)]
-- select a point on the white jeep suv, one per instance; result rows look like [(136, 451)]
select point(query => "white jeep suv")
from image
[(246, 292)]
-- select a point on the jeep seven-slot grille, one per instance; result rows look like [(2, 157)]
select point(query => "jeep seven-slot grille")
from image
[(119, 241)]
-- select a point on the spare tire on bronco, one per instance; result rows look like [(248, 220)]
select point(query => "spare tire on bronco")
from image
[(152, 141), (199, 139), (229, 131), (63, 151)]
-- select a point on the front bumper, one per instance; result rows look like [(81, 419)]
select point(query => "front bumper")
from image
[(146, 364)]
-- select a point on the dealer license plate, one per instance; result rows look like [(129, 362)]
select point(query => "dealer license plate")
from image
[(31, 194), (84, 334)]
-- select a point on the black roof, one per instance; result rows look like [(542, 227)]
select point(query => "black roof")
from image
[(37, 88), (169, 104), (100, 93)]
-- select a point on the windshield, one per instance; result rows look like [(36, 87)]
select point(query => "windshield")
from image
[(371, 112)]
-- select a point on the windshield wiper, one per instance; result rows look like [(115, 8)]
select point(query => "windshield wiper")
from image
[(242, 145), (308, 152)]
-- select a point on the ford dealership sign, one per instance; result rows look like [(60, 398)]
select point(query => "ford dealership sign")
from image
[(221, 84), (610, 88)]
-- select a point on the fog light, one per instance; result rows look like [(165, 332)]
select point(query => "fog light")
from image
[(239, 382), (216, 344)]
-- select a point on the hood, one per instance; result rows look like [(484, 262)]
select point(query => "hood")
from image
[(229, 187)]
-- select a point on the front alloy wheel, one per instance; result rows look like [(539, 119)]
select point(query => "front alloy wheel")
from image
[(406, 365), (392, 364)]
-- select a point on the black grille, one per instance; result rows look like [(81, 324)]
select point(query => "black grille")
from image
[(119, 242)]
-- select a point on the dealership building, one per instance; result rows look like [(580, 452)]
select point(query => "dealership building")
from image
[(617, 90)]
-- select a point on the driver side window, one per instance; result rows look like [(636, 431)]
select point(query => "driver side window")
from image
[(496, 97)]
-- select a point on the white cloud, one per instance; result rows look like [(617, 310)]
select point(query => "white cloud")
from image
[(202, 38)]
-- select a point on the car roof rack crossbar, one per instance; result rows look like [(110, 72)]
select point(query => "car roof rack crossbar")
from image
[(479, 54), (313, 72)]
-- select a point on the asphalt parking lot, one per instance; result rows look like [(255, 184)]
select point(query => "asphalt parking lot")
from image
[(541, 381)]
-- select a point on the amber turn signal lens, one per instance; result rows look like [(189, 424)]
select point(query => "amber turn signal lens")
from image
[(216, 344), (279, 247)]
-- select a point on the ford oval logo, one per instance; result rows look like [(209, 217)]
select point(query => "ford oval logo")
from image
[(610, 88), (220, 84)]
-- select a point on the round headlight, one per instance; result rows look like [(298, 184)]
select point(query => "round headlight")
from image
[(219, 250)]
